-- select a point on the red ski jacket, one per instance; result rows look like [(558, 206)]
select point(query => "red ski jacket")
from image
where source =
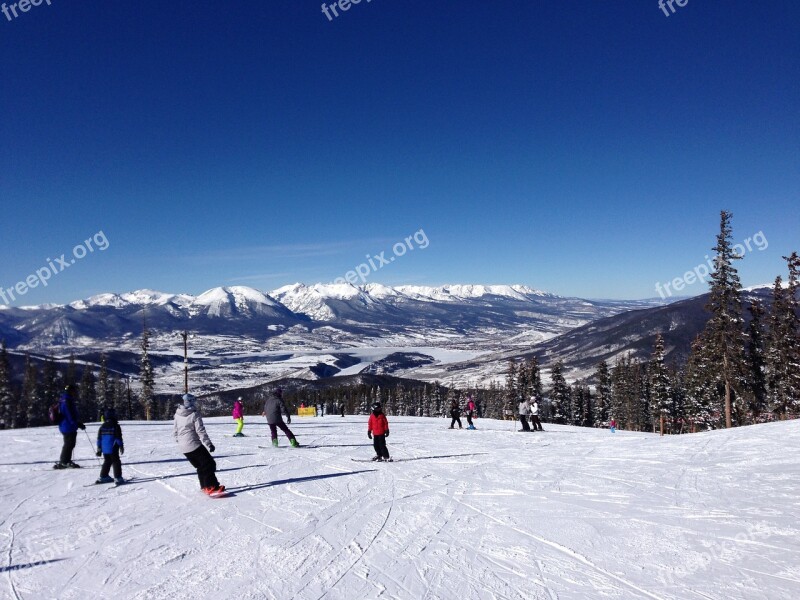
[(378, 425)]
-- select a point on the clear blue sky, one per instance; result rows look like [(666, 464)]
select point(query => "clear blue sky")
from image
[(581, 147)]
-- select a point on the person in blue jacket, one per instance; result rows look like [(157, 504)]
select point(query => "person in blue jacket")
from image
[(68, 424), (110, 445)]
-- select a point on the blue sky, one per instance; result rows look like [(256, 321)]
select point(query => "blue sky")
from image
[(581, 147)]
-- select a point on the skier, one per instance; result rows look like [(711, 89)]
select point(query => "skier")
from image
[(193, 441), (110, 445), (68, 425), (470, 412), (455, 414), (524, 411), (238, 416), (535, 422), (613, 425), (341, 408), (378, 431), (273, 408)]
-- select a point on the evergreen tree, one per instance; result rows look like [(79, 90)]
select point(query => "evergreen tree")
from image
[(723, 332), (8, 404), (559, 394), (30, 394), (660, 393), (104, 388), (511, 382), (47, 394), (577, 404), (87, 395), (756, 369), (71, 375), (603, 391), (701, 388), (147, 394)]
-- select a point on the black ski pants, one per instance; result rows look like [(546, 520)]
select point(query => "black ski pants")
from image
[(536, 423), (273, 430), (205, 465), (111, 460), (524, 420), (68, 447), (469, 419), (379, 443)]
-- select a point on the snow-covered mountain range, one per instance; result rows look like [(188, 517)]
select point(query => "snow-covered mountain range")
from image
[(305, 330)]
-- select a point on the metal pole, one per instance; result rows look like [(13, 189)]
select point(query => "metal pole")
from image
[(185, 336)]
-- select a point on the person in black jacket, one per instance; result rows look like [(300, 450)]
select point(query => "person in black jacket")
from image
[(455, 413), (110, 445), (274, 409)]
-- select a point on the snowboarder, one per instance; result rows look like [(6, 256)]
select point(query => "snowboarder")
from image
[(524, 411), (68, 424), (110, 445), (455, 414), (378, 431), (470, 412), (535, 422), (613, 425), (193, 441), (273, 409), (238, 416)]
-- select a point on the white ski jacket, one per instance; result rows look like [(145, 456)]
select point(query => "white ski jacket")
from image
[(189, 431), (524, 408), (535, 409)]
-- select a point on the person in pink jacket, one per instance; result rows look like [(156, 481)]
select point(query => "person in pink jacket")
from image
[(238, 416)]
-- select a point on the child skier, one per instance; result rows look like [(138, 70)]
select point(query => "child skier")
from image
[(378, 431), (238, 416), (455, 414), (613, 425), (470, 412), (193, 441), (69, 421), (274, 408), (110, 445)]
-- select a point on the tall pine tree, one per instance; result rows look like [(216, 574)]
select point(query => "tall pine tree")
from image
[(723, 332), (559, 394)]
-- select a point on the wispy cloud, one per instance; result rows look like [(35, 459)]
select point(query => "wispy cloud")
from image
[(283, 251)]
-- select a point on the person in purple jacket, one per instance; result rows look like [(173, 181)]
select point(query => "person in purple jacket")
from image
[(68, 424)]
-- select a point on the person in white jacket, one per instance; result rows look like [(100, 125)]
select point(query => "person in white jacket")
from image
[(524, 410), (536, 424), (193, 441)]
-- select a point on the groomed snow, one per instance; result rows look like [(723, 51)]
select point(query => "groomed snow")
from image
[(569, 513)]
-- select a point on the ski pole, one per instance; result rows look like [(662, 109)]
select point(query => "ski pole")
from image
[(92, 447)]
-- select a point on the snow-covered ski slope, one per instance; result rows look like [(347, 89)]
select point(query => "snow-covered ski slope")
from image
[(568, 513)]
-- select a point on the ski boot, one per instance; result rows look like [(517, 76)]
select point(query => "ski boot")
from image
[(119, 481), (105, 479), (294, 443), (388, 460), (60, 465), (275, 443), (72, 465)]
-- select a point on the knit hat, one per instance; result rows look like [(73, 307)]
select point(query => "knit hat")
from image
[(189, 400)]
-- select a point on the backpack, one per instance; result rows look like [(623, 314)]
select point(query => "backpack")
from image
[(55, 413)]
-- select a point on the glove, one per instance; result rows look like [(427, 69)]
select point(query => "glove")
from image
[(387, 433), (369, 434), (211, 448), (98, 453), (81, 426), (121, 450)]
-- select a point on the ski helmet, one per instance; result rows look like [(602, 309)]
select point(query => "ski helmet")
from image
[(376, 406), (189, 400)]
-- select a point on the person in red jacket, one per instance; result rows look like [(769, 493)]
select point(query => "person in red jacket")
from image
[(378, 431)]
